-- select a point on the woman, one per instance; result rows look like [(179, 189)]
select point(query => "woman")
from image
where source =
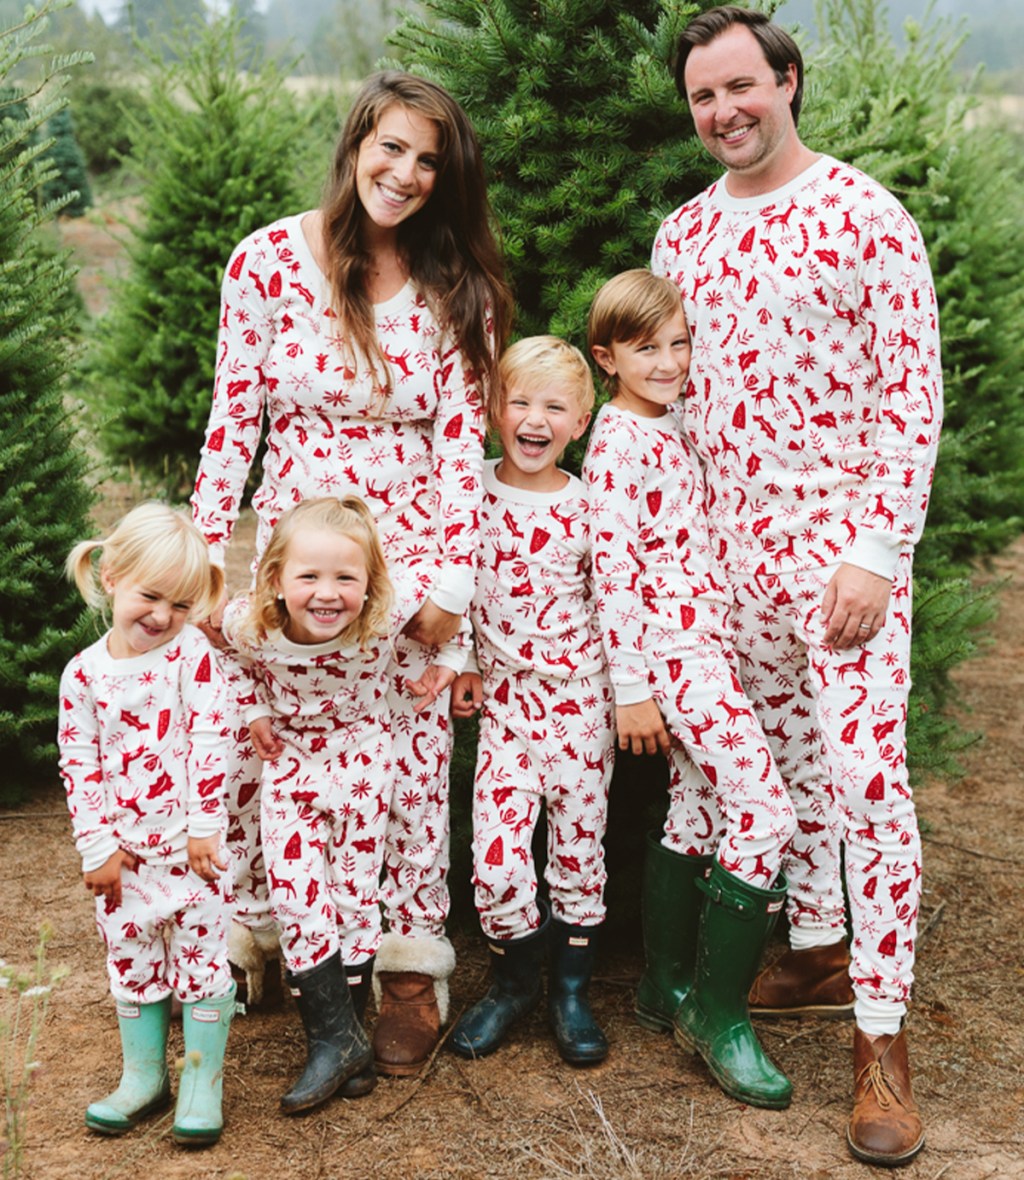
[(366, 331)]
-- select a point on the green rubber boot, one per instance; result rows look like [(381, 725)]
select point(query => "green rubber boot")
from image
[(714, 1019), (671, 909), (198, 1120), (145, 1083)]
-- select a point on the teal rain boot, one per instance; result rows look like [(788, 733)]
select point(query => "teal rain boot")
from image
[(198, 1121), (671, 909), (580, 1039), (145, 1083), (516, 988), (714, 1020)]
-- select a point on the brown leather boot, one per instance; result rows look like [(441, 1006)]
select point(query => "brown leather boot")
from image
[(411, 988), (885, 1127), (814, 982)]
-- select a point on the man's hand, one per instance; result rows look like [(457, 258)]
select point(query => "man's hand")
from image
[(854, 606), (432, 626), (642, 729)]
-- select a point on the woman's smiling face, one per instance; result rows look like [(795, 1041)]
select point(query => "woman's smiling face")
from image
[(396, 167)]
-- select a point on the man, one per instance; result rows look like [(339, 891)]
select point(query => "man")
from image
[(815, 405)]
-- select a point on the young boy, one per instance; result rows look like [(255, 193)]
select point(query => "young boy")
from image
[(663, 606), (546, 716)]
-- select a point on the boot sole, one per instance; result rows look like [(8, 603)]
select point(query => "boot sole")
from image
[(199, 1139), (883, 1161), (652, 1021), (820, 1011), (114, 1129), (322, 1095), (725, 1083)]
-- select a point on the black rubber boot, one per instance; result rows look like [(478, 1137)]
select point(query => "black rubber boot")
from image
[(337, 1048), (516, 988), (359, 980), (580, 1040)]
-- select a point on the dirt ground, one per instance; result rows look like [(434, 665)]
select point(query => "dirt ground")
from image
[(649, 1111)]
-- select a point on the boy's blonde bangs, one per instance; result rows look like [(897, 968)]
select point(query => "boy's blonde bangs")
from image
[(538, 362)]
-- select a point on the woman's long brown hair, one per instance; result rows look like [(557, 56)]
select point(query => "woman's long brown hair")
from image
[(449, 245)]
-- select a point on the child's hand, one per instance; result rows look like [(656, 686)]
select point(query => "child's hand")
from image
[(467, 694), (204, 857), (106, 880), (430, 685), (211, 627), (265, 742), (432, 626), (642, 729)]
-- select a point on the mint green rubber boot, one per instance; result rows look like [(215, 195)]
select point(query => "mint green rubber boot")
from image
[(198, 1120), (145, 1083), (714, 1019), (671, 909)]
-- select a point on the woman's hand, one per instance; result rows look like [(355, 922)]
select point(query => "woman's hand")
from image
[(432, 626), (854, 606)]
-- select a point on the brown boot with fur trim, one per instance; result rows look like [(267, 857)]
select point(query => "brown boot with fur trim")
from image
[(814, 982), (410, 985), (885, 1127), (254, 956)]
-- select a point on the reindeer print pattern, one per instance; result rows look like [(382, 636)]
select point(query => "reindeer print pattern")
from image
[(325, 800), (546, 733), (836, 721), (141, 754), (414, 456), (168, 935), (815, 398), (141, 744), (663, 606)]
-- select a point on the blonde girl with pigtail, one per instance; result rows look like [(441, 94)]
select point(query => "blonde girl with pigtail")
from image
[(141, 739), (317, 638)]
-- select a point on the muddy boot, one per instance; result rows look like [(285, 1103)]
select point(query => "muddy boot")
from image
[(145, 1083), (198, 1117), (336, 1046), (671, 907), (814, 982), (713, 1020), (885, 1127), (580, 1040), (516, 988), (410, 984), (360, 1084)]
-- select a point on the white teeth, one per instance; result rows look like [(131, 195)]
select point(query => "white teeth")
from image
[(391, 194)]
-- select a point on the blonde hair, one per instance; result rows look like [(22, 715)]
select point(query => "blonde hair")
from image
[(538, 362), (632, 306), (348, 517), (157, 546)]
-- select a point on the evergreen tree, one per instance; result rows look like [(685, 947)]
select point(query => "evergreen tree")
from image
[(44, 500), (65, 156), (217, 147)]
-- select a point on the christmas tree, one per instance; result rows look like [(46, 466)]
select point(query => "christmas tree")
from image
[(44, 500)]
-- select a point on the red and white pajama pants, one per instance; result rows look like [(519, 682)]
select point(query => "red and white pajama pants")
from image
[(836, 721), (325, 807), (191, 961), (726, 797), (542, 740)]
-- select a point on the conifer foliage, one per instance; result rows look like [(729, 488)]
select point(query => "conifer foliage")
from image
[(217, 148), (65, 157), (44, 500), (586, 142)]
